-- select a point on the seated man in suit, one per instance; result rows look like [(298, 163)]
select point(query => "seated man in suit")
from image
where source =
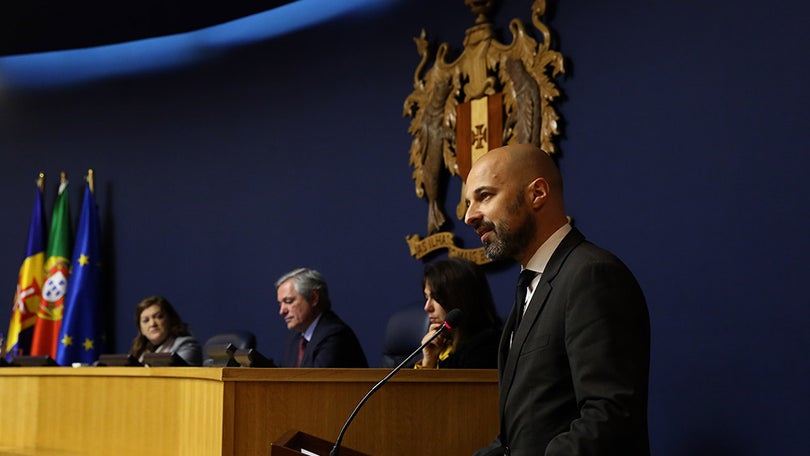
[(321, 338)]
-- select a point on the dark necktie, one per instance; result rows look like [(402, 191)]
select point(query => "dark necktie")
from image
[(302, 346), (526, 277)]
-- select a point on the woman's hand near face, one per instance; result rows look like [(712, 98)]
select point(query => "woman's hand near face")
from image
[(430, 354)]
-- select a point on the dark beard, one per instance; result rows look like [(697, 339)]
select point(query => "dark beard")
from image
[(509, 243)]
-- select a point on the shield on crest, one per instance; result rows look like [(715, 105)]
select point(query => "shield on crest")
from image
[(479, 129)]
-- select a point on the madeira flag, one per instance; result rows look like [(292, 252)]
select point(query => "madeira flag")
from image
[(80, 339), (29, 281), (49, 315)]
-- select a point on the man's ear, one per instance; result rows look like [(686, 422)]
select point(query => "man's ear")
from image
[(538, 189), (315, 297)]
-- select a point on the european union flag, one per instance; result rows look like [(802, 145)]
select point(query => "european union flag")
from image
[(80, 338)]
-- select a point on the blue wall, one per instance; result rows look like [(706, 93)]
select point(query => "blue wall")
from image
[(685, 152)]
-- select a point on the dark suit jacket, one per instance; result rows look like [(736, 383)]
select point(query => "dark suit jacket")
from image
[(575, 379), (480, 351), (333, 344)]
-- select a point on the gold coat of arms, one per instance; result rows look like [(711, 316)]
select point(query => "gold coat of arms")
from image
[(492, 94)]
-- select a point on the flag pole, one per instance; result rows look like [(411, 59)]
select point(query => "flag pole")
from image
[(62, 182), (90, 180), (41, 181)]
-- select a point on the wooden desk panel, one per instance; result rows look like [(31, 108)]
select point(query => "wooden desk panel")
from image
[(238, 411), (111, 411)]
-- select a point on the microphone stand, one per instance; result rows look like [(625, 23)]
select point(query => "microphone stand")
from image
[(336, 449)]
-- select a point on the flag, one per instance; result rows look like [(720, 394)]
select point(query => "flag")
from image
[(29, 281), (80, 339), (57, 269)]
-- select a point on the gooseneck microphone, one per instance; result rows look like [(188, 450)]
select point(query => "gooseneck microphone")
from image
[(452, 320)]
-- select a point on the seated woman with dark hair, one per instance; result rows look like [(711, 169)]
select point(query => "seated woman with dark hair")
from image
[(455, 283), (160, 330)]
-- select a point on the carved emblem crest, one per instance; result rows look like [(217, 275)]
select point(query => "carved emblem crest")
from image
[(492, 94)]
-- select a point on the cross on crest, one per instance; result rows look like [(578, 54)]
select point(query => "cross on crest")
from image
[(479, 136)]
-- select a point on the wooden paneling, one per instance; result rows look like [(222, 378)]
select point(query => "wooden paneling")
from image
[(99, 411), (238, 411)]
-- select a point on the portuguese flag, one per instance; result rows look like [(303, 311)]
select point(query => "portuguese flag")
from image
[(57, 270)]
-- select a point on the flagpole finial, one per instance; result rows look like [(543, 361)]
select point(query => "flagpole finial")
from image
[(41, 181), (62, 178), (90, 180)]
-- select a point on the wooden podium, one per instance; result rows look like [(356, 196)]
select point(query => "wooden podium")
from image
[(294, 443), (237, 411)]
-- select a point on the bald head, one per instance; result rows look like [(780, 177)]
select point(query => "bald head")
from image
[(522, 163), (515, 200)]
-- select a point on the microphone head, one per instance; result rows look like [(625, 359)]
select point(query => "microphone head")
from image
[(453, 318)]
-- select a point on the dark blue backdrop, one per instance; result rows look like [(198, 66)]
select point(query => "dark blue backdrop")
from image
[(685, 152)]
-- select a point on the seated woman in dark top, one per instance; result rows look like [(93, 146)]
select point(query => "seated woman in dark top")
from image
[(455, 283), (160, 330)]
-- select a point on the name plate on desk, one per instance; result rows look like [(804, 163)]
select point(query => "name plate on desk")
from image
[(118, 359), (252, 358), (163, 360), (32, 361)]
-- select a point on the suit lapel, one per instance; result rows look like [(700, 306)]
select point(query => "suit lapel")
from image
[(506, 337), (317, 335), (509, 356), (512, 354)]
